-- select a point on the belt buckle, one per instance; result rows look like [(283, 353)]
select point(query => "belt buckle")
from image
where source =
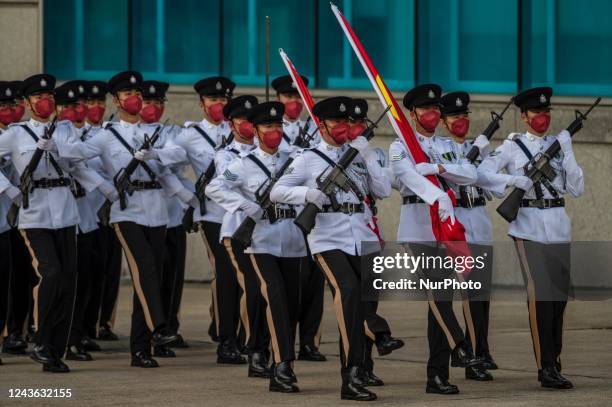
[(277, 212), (350, 208), (547, 203)]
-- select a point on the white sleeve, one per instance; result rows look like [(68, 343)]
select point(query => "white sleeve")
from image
[(489, 176), (379, 182), (290, 188), (574, 177), (88, 178), (224, 188), (70, 147)]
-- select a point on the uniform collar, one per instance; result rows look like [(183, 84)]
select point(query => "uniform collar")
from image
[(423, 138), (264, 155), (325, 146), (208, 125), (36, 123), (242, 147), (126, 125), (534, 138)]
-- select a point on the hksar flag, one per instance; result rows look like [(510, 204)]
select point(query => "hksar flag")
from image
[(453, 235)]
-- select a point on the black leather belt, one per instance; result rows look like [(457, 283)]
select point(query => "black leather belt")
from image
[(47, 183), (543, 203), (281, 213), (474, 202), (142, 185), (347, 208), (412, 199)]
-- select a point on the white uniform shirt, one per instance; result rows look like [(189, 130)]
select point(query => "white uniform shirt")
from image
[(290, 132), (144, 207), (334, 230), (415, 219), (51, 208), (237, 184), (6, 169), (541, 225)]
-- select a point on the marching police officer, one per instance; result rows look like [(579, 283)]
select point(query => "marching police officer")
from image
[(471, 212), (542, 229), (335, 241), (445, 336)]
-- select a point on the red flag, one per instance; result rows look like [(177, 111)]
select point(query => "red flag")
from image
[(443, 231)]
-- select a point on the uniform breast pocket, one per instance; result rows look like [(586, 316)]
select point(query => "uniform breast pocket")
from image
[(26, 151), (255, 183)]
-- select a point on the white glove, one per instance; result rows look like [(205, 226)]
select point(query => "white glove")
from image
[(46, 144), (522, 182), (194, 202), (482, 142), (427, 169), (184, 195), (361, 144), (109, 191), (316, 197), (565, 140), (146, 155), (252, 209), (445, 209), (14, 195), (487, 194)]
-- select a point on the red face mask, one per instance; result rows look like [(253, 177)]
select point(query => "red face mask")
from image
[(132, 104), (68, 113), (293, 109), (44, 107), (340, 132), (95, 114), (18, 113), (460, 127), (151, 113), (356, 131), (272, 139), (6, 116), (429, 120), (540, 122), (245, 129), (81, 112), (215, 112)]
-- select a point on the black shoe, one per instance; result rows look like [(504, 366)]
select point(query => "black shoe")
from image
[(76, 352), (369, 379), (106, 334), (162, 337), (143, 359), (283, 379), (552, 379), (477, 373), (311, 353), (462, 356), (179, 343), (440, 386), (386, 344), (163, 352), (43, 354), (227, 353), (90, 345), (488, 363), (56, 367), (353, 386), (14, 345), (258, 366)]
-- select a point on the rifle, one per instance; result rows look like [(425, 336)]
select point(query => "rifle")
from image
[(200, 186), (336, 179), (539, 168), (304, 138), (244, 232), (489, 131)]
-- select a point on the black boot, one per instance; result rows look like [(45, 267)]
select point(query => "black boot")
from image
[(353, 387), (90, 345), (283, 379), (552, 379), (311, 353), (258, 365), (386, 344), (162, 337), (227, 353), (179, 343), (57, 366), (488, 363), (144, 360), (106, 334), (462, 356), (163, 352), (76, 352), (14, 345), (437, 385), (42, 354), (477, 373), (369, 379)]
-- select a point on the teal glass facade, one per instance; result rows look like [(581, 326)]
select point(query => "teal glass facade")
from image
[(481, 46)]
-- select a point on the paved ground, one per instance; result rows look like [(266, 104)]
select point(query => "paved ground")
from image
[(193, 378)]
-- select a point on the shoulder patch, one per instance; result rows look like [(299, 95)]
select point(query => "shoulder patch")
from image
[(399, 157), (230, 176)]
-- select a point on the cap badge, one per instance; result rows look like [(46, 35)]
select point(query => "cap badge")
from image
[(70, 94), (81, 89), (247, 105), (8, 92), (132, 79), (273, 112), (357, 110), (293, 85), (218, 86), (431, 94), (95, 90), (542, 98), (342, 108), (458, 102), (152, 89), (43, 83)]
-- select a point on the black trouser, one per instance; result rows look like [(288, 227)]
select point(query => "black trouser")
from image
[(144, 250), (475, 307), (225, 288), (375, 325), (5, 276), (98, 264), (23, 279), (85, 270), (112, 278), (54, 258), (312, 287), (443, 330), (279, 279), (252, 303), (173, 276), (343, 273), (546, 272)]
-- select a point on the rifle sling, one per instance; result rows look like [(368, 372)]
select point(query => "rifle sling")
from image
[(129, 148), (333, 165), (261, 165), (51, 159), (205, 136), (538, 185)]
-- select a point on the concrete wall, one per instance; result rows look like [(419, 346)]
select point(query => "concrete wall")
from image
[(21, 38)]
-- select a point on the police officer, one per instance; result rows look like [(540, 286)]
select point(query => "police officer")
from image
[(277, 250), (471, 212), (48, 223), (141, 225), (336, 240), (445, 336), (19, 109), (542, 229)]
